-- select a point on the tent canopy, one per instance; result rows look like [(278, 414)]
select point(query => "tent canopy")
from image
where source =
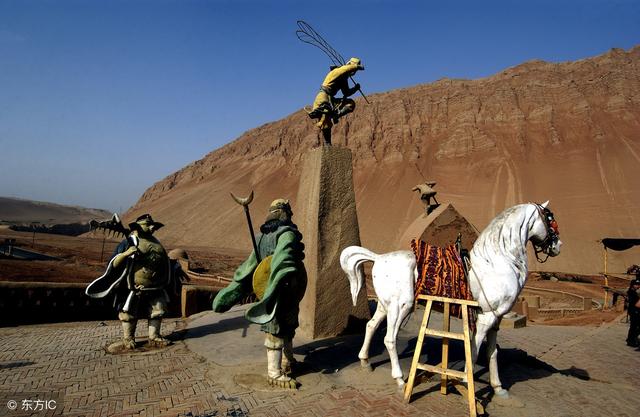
[(620, 244)]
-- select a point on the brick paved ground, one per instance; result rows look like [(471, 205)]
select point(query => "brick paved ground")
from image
[(572, 371), (69, 359), (556, 371)]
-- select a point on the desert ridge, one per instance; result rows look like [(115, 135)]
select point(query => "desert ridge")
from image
[(565, 132)]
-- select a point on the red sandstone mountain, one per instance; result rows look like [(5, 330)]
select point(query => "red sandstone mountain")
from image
[(567, 132)]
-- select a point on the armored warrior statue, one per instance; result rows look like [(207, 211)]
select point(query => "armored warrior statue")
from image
[(276, 274), (138, 274)]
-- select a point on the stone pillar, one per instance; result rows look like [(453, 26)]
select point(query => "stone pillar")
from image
[(533, 300), (586, 304), (326, 214)]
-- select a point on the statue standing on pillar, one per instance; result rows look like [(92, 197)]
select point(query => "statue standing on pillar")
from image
[(328, 109), (276, 274)]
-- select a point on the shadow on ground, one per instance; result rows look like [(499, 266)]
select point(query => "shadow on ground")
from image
[(515, 365), (224, 325)]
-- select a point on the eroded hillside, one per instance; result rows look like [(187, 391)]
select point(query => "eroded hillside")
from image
[(567, 132)]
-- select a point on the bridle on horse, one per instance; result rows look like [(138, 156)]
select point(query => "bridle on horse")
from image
[(552, 233)]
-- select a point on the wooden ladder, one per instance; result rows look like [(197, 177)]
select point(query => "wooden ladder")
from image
[(445, 334)]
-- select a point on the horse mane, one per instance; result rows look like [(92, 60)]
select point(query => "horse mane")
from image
[(506, 237)]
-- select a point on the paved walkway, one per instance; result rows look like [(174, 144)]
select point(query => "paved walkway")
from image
[(217, 368)]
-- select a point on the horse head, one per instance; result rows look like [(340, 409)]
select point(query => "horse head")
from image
[(545, 235)]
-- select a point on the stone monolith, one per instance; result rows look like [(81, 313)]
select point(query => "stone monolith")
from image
[(326, 215)]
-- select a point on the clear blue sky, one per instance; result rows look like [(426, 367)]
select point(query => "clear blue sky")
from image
[(100, 99)]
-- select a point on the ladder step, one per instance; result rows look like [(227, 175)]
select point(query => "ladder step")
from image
[(441, 368), (441, 371), (442, 333), (448, 300)]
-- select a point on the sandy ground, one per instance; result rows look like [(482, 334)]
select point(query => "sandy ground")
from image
[(83, 259)]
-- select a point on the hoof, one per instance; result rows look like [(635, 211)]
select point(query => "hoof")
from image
[(401, 385), (365, 365), (159, 342), (502, 398), (283, 382)]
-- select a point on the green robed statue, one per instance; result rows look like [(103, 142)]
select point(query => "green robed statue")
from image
[(277, 276)]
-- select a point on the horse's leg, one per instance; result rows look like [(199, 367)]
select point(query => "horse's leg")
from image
[(372, 325), (501, 395), (492, 358), (485, 322), (394, 318)]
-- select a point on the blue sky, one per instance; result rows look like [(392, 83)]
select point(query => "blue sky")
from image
[(100, 99)]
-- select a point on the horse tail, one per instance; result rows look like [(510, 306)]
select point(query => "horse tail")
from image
[(351, 260)]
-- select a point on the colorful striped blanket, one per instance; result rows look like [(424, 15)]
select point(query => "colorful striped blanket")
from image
[(440, 273)]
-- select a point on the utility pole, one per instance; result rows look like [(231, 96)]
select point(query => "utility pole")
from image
[(33, 238), (104, 237)]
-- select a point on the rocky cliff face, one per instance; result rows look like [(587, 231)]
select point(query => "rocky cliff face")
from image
[(568, 133)]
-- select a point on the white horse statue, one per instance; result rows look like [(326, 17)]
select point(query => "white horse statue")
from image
[(394, 276), (497, 275)]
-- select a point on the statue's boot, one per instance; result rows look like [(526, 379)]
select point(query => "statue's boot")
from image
[(326, 135), (288, 360), (275, 377), (341, 112), (315, 113), (154, 334), (129, 334)]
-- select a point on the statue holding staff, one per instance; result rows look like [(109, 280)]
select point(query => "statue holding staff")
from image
[(276, 274)]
